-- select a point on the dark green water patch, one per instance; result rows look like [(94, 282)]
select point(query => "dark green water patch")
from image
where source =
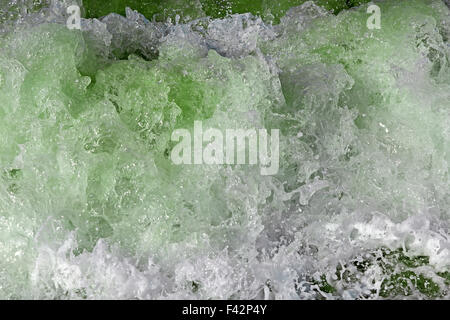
[(161, 10)]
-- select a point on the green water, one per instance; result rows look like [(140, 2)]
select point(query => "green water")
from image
[(271, 11), (91, 205)]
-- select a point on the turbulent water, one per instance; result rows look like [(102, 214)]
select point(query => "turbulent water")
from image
[(92, 207)]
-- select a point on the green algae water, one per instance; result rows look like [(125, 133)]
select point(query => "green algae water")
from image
[(92, 207)]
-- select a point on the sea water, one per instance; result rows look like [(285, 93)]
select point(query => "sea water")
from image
[(92, 207)]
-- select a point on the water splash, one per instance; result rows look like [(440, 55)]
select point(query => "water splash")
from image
[(92, 207)]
